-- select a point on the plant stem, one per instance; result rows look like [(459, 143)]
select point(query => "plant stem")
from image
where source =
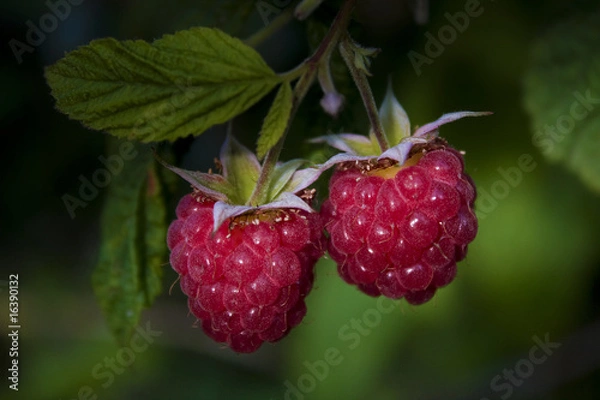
[(279, 22), (293, 74), (310, 66), (348, 51)]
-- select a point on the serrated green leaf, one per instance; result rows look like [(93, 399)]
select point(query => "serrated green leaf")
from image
[(178, 85), (276, 120), (562, 95), (132, 250)]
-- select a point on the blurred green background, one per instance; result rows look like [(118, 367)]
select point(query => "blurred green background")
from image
[(532, 274)]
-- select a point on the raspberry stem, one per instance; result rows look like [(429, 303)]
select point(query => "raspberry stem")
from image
[(310, 67), (349, 51)]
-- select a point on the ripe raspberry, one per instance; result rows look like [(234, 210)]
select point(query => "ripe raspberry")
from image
[(399, 231), (247, 282)]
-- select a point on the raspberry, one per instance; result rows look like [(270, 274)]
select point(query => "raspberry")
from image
[(247, 282), (399, 231)]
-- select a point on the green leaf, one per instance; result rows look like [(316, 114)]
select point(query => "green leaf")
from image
[(132, 251), (178, 85), (153, 239), (276, 120), (562, 95)]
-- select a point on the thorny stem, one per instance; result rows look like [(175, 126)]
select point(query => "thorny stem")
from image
[(348, 50), (311, 67)]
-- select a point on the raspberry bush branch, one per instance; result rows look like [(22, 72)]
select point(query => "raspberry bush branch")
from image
[(310, 69)]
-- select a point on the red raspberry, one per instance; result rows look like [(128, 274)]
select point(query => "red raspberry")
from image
[(398, 231), (247, 282)]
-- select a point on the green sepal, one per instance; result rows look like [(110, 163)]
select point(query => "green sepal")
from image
[(213, 185), (395, 121), (350, 143), (282, 175), (240, 168)]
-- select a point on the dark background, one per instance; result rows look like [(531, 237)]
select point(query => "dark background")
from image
[(533, 271)]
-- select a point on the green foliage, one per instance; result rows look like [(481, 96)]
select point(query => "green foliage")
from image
[(562, 94), (276, 121), (132, 253), (178, 85)]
